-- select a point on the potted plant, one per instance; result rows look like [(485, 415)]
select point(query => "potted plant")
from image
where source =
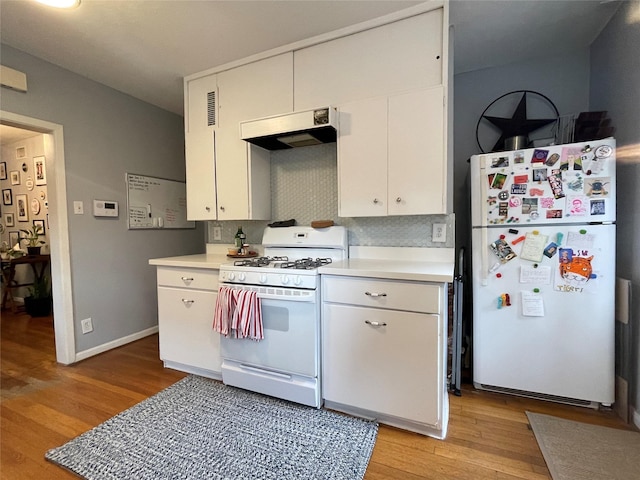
[(32, 239), (38, 303)]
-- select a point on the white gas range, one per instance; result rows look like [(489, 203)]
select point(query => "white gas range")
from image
[(286, 363)]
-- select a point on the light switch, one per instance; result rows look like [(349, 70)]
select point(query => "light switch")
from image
[(78, 207)]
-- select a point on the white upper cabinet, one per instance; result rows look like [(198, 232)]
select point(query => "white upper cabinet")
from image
[(200, 129), (391, 155), (250, 91), (395, 57), (417, 179), (226, 178)]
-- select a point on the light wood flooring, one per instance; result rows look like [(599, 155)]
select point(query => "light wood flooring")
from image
[(44, 404)]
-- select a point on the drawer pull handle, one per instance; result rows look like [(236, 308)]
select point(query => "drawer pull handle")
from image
[(375, 295), (187, 279), (375, 324), (187, 302)]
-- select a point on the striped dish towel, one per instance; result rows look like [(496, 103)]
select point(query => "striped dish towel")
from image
[(223, 313), (247, 318), (238, 314)]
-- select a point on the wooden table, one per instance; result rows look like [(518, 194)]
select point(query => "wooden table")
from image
[(39, 264)]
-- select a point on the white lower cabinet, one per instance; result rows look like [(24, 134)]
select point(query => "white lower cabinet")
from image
[(186, 302), (383, 350)]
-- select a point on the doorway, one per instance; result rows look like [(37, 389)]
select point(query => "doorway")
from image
[(59, 232)]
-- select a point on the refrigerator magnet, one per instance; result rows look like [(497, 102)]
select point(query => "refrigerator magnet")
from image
[(539, 155), (550, 250), (597, 207), (502, 250)]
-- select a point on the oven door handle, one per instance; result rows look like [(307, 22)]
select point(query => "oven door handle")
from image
[(265, 372), (308, 296)]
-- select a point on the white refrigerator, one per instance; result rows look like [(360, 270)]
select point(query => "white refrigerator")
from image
[(543, 272)]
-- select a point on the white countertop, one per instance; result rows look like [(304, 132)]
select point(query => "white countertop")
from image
[(395, 264), (441, 272), (202, 260)]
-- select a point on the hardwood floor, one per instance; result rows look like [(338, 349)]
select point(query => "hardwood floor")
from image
[(44, 404)]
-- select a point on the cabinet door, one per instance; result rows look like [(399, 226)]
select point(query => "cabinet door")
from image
[(200, 125), (417, 162), (362, 158), (250, 91), (199, 148), (185, 319), (399, 56), (391, 369)]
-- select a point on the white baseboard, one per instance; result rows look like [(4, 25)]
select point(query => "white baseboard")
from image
[(115, 343)]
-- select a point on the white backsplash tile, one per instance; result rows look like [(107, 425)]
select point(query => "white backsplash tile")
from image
[(304, 186)]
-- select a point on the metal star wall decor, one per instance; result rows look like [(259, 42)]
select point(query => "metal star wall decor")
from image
[(518, 124)]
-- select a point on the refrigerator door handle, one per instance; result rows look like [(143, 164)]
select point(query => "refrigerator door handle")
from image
[(484, 206), (484, 246)]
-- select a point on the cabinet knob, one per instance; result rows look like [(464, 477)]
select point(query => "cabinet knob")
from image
[(375, 324), (375, 295), (208, 209), (187, 302), (187, 279), (398, 200), (376, 201), (221, 208)]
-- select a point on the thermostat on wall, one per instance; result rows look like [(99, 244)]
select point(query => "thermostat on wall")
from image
[(105, 208)]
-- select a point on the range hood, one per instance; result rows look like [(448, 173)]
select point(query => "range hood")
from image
[(296, 129)]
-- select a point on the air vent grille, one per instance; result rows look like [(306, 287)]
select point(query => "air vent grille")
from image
[(211, 108)]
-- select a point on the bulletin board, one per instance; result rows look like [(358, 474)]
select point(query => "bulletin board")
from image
[(156, 203)]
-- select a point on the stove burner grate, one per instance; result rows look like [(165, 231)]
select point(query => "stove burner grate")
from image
[(304, 263), (258, 261)]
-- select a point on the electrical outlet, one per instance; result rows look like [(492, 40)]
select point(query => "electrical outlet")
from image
[(217, 233), (439, 233), (87, 325)]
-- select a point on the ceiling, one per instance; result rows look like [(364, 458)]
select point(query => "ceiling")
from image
[(145, 47)]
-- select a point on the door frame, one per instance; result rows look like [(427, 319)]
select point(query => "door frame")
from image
[(63, 319)]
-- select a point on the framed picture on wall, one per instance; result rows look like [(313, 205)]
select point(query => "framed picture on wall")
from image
[(15, 177), (21, 152), (9, 220), (7, 196), (14, 237), (40, 170), (3, 170), (22, 207), (39, 224)]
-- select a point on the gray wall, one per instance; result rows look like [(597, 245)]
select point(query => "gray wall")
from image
[(615, 87), (563, 79), (106, 134)]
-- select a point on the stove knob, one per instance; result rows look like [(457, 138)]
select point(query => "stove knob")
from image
[(263, 278), (242, 277), (232, 276), (298, 280), (284, 279)]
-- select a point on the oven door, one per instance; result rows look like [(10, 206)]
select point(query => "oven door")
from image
[(286, 362)]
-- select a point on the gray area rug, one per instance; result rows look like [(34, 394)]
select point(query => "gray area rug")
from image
[(578, 451), (201, 429)]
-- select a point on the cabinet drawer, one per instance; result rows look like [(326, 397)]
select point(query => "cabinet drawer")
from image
[(391, 294), (201, 279)]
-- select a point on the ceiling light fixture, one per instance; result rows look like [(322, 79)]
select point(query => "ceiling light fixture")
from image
[(60, 3)]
